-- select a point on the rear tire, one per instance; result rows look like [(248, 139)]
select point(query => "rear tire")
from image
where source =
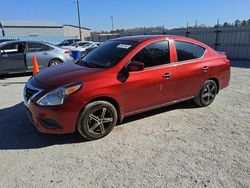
[(97, 120), (207, 94), (55, 62)]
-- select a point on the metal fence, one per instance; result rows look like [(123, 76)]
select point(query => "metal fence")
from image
[(235, 41), (50, 39)]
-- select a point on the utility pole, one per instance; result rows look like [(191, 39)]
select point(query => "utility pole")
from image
[(218, 23), (187, 31), (1, 27), (217, 33), (79, 19), (112, 23)]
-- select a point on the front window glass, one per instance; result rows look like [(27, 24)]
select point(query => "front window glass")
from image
[(38, 47), (13, 48), (154, 54), (108, 54)]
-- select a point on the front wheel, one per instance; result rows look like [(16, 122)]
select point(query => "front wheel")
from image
[(207, 94), (97, 120)]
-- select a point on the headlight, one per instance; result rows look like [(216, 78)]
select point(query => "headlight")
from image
[(57, 96)]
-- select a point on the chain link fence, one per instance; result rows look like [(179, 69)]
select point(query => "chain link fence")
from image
[(235, 41)]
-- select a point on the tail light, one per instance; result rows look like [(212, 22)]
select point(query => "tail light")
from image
[(67, 52), (228, 62), (223, 53)]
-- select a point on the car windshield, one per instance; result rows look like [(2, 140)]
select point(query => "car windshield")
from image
[(73, 44), (86, 45), (82, 44), (65, 42), (108, 54)]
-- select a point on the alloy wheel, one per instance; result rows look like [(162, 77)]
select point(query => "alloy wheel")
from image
[(54, 63), (99, 121), (208, 93)]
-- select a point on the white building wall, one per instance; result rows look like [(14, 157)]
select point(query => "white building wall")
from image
[(31, 28), (74, 31), (22, 31)]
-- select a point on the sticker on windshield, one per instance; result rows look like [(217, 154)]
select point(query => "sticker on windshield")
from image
[(124, 46)]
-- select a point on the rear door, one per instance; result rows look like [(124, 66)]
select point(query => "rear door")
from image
[(12, 58), (190, 68), (41, 51)]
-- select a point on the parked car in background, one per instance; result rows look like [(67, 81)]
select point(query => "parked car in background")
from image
[(122, 77), (17, 56), (6, 40), (88, 50), (68, 42), (81, 46)]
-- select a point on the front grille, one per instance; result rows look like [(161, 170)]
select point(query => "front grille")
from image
[(29, 93)]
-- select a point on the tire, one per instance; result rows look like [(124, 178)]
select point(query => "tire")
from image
[(55, 62), (91, 122), (207, 94)]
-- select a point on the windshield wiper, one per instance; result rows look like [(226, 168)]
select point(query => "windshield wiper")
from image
[(91, 65)]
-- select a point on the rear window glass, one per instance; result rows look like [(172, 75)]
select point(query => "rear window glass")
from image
[(200, 51), (187, 51)]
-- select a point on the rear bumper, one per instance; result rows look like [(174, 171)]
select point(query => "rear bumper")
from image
[(224, 79)]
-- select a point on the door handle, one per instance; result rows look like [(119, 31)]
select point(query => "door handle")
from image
[(205, 68), (44, 53), (167, 75)]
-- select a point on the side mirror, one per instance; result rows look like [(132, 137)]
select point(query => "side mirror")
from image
[(135, 66)]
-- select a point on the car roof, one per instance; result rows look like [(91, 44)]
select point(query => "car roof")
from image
[(142, 38), (20, 41)]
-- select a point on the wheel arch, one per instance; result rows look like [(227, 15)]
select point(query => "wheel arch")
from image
[(217, 83), (113, 102), (56, 58)]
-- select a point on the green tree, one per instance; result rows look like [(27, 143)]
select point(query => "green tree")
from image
[(244, 22), (248, 22), (225, 24), (237, 22)]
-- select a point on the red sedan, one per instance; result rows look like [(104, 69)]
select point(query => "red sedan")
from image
[(122, 77)]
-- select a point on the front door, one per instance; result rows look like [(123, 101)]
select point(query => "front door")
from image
[(12, 58), (153, 86)]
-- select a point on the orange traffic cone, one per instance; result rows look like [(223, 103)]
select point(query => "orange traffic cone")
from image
[(35, 65)]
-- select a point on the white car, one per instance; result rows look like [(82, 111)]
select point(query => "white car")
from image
[(81, 46)]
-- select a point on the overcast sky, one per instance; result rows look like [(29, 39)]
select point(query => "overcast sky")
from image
[(95, 14)]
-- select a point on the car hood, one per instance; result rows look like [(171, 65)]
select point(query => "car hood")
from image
[(64, 74)]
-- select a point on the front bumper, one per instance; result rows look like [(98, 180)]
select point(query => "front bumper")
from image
[(59, 119), (54, 120)]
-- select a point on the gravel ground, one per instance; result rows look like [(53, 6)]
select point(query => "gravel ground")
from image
[(177, 146)]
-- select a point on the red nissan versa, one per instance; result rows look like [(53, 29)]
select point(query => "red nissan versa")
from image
[(122, 77)]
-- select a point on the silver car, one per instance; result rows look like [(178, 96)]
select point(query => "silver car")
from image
[(16, 56)]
